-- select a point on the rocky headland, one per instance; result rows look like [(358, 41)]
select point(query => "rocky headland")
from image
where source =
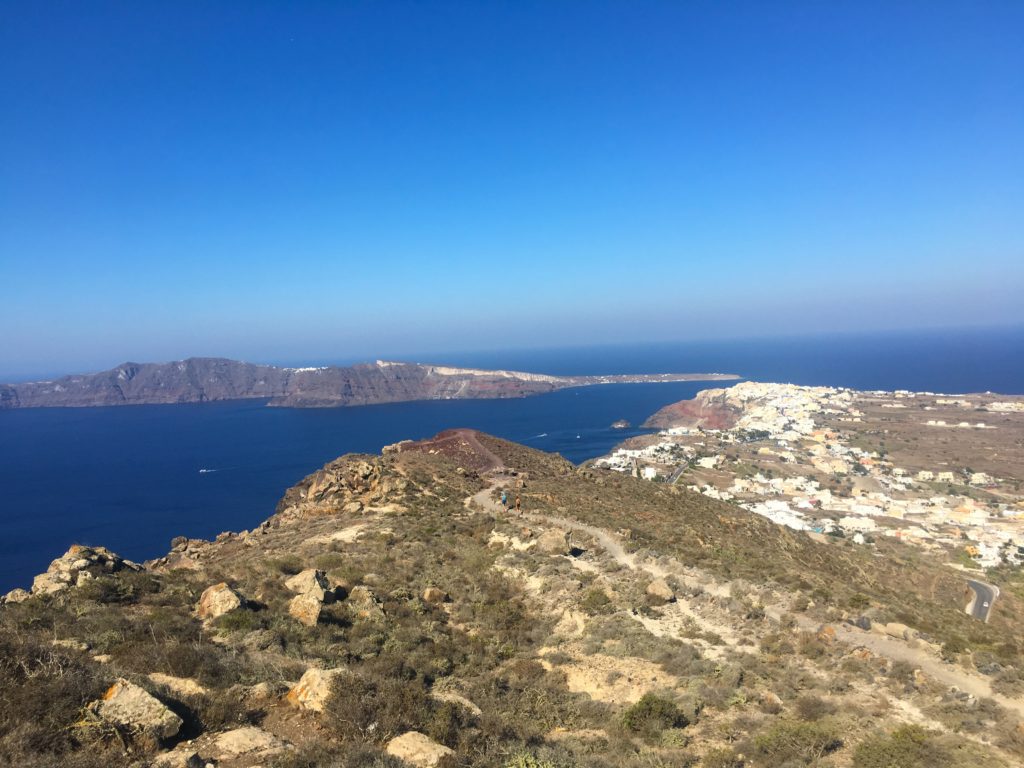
[(202, 379)]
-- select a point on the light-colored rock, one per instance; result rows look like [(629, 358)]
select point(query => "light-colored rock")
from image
[(899, 631), (660, 590), (182, 686), (417, 749), (78, 565), (102, 658), (217, 600), (181, 757), (827, 634), (248, 741), (309, 580), (129, 706), (17, 595), (365, 603), (313, 689), (71, 644), (434, 596), (554, 542), (305, 609)]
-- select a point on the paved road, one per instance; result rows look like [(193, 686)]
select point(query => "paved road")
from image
[(984, 598)]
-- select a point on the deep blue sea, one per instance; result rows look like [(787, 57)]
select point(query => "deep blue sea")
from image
[(128, 478)]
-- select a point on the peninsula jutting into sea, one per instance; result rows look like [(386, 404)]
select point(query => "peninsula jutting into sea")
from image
[(206, 379)]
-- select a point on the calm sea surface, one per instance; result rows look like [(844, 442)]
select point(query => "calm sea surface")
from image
[(129, 478)]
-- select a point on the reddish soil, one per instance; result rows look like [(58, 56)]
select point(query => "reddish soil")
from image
[(461, 446), (693, 413)]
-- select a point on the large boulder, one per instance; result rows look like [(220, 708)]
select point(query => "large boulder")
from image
[(218, 600), (313, 689), (306, 608), (554, 542), (310, 580), (900, 631), (417, 749), (661, 591), (434, 596), (131, 708)]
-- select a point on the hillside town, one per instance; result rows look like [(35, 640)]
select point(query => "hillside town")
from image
[(935, 471)]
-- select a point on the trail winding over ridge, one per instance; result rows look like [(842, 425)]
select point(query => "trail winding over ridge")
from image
[(880, 645)]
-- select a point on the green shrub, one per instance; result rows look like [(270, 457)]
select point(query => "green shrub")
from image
[(289, 565), (721, 758), (952, 648), (363, 709), (526, 760), (813, 707), (238, 620), (795, 742), (652, 715), (596, 602), (909, 746)]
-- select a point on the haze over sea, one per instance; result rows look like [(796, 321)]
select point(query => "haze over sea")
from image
[(129, 477)]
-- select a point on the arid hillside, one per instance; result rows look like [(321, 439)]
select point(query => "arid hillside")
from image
[(393, 613)]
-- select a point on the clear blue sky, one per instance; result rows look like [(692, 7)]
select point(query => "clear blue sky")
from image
[(315, 180)]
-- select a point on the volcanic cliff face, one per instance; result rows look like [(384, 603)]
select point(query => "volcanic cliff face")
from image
[(709, 409), (199, 380), (204, 379)]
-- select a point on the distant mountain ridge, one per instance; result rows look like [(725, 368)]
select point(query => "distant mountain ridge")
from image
[(207, 379)]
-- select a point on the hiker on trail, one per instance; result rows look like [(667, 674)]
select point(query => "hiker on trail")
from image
[(519, 505), (504, 500)]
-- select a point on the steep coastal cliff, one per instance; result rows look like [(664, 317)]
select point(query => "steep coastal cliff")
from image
[(203, 379)]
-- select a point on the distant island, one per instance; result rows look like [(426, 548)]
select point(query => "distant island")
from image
[(205, 379)]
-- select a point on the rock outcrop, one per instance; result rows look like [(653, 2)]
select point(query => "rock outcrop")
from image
[(346, 485), (218, 600), (306, 608), (710, 409), (313, 689), (554, 542), (434, 596), (660, 590), (143, 716), (78, 565), (309, 581), (249, 742), (417, 749)]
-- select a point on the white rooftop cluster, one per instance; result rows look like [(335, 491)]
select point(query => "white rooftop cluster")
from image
[(867, 495)]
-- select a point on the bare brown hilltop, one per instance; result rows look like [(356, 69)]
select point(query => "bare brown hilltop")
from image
[(203, 379)]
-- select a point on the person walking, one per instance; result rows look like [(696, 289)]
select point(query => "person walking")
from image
[(504, 500), (519, 505)]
